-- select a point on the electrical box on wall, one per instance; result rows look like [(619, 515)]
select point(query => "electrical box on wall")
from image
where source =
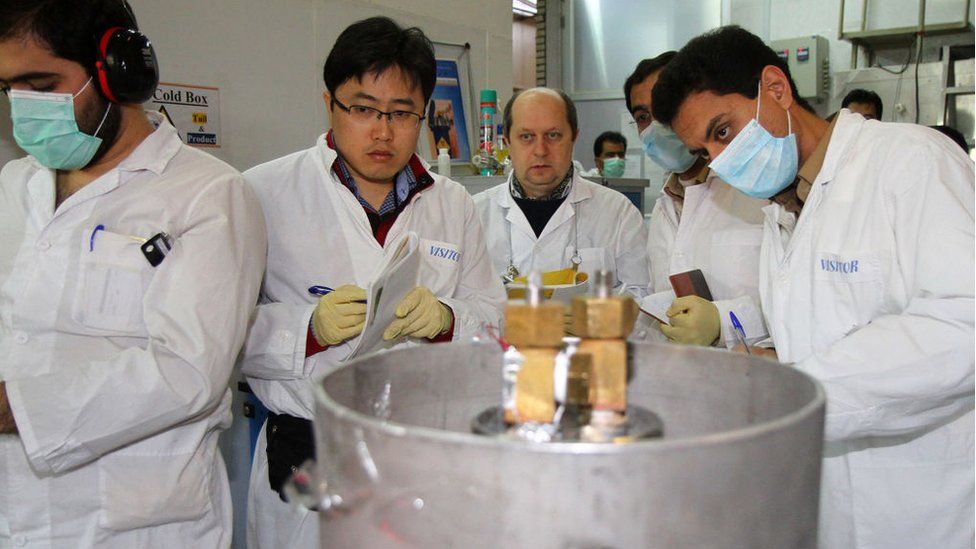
[(808, 60)]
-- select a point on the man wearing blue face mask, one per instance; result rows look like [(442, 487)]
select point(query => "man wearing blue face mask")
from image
[(699, 222), (866, 283), (129, 266)]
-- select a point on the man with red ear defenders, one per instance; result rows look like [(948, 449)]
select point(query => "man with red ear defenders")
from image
[(129, 266)]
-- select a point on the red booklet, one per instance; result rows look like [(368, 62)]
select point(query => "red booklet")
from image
[(690, 283)]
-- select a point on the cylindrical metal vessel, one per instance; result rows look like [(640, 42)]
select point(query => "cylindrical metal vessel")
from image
[(738, 466)]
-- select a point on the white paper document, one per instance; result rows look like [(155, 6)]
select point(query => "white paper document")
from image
[(395, 277), (657, 305)]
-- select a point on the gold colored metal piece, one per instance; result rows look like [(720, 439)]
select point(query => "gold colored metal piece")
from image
[(539, 326), (535, 395), (603, 318), (608, 382), (578, 379)]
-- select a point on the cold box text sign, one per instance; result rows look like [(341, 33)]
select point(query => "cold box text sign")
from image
[(193, 110)]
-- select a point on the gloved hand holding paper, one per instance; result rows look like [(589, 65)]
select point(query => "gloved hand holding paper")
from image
[(419, 314), (339, 315)]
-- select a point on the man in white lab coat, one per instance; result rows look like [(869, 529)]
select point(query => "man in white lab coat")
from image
[(129, 266), (547, 217), (698, 222), (866, 283), (332, 212)]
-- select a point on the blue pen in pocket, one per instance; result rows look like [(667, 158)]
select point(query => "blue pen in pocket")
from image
[(740, 333)]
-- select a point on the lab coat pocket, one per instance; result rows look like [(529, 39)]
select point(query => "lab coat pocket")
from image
[(847, 293), (139, 491), (440, 266), (113, 275)]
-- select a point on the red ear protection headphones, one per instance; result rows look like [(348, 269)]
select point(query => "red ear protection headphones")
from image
[(126, 69)]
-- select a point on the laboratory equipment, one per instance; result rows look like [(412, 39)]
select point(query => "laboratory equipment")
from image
[(809, 62), (738, 466)]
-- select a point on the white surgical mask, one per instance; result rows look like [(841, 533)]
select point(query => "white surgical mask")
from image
[(755, 162), (665, 148)]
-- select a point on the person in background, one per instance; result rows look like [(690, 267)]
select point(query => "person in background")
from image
[(865, 103), (610, 155), (866, 283), (129, 266), (698, 222), (547, 217), (955, 135), (333, 211)]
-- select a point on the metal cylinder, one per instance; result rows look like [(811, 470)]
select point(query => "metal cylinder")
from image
[(739, 465)]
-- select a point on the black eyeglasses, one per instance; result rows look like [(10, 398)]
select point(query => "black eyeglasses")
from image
[(361, 114)]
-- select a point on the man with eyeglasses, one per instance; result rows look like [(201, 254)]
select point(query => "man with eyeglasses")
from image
[(332, 211), (698, 222)]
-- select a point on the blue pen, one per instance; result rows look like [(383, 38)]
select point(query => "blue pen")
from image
[(91, 239), (740, 333), (325, 290), (319, 290)]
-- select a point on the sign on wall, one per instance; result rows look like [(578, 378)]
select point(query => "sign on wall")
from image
[(193, 110), (445, 114)]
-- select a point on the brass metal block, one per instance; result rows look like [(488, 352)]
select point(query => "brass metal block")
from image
[(534, 327), (534, 394), (608, 382), (578, 379), (603, 318)]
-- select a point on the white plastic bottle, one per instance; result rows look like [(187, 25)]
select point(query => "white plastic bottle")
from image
[(443, 163)]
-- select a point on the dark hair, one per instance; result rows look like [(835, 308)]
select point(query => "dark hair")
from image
[(613, 137), (376, 44), (644, 69), (570, 109), (954, 135), (723, 61), (70, 29), (863, 96)]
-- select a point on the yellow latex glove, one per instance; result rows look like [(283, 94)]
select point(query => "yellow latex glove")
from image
[(420, 314), (694, 321), (340, 315)]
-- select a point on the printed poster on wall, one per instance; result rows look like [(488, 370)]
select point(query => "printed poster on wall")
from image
[(193, 110), (446, 116)]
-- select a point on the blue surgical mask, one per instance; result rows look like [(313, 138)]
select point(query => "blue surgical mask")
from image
[(614, 167), (755, 162), (664, 147), (45, 127)]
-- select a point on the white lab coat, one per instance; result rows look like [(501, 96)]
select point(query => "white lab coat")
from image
[(318, 234), (603, 223), (117, 372), (719, 232), (871, 292)]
